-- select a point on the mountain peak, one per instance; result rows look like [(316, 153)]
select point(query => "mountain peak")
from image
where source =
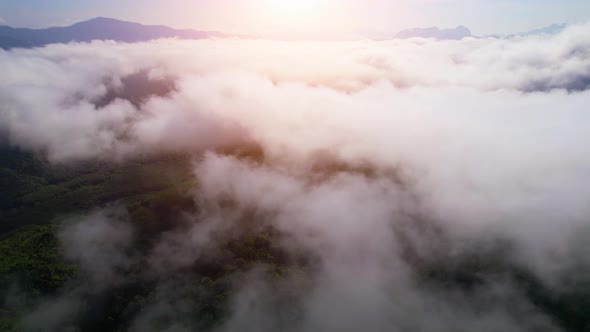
[(104, 21), (98, 28)]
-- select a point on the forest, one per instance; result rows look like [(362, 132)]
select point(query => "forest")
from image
[(153, 193)]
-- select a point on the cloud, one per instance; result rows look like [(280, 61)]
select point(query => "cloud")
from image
[(69, 81), (100, 243), (388, 164)]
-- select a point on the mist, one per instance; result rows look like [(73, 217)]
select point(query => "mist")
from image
[(381, 165)]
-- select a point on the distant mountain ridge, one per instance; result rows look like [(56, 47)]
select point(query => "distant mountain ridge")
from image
[(548, 30), (457, 33), (551, 29), (100, 28), (461, 32)]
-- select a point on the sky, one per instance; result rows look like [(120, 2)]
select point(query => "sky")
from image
[(302, 16)]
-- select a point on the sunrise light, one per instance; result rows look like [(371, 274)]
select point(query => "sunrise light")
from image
[(294, 15), (294, 165), (294, 7)]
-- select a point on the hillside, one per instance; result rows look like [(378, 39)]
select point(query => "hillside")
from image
[(95, 29)]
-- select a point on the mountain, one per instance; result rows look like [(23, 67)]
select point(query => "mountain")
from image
[(95, 29), (102, 28), (548, 30), (457, 33), (7, 42)]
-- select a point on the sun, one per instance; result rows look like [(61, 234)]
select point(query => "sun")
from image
[(294, 8), (297, 18)]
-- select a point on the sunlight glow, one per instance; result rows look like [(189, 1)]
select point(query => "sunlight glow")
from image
[(294, 7), (293, 11)]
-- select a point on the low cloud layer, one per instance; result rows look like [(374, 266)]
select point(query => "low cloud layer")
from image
[(58, 88), (383, 161)]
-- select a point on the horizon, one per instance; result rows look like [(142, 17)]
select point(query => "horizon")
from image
[(320, 17), (352, 36)]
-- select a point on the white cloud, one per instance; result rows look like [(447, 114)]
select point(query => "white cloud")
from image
[(363, 144)]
